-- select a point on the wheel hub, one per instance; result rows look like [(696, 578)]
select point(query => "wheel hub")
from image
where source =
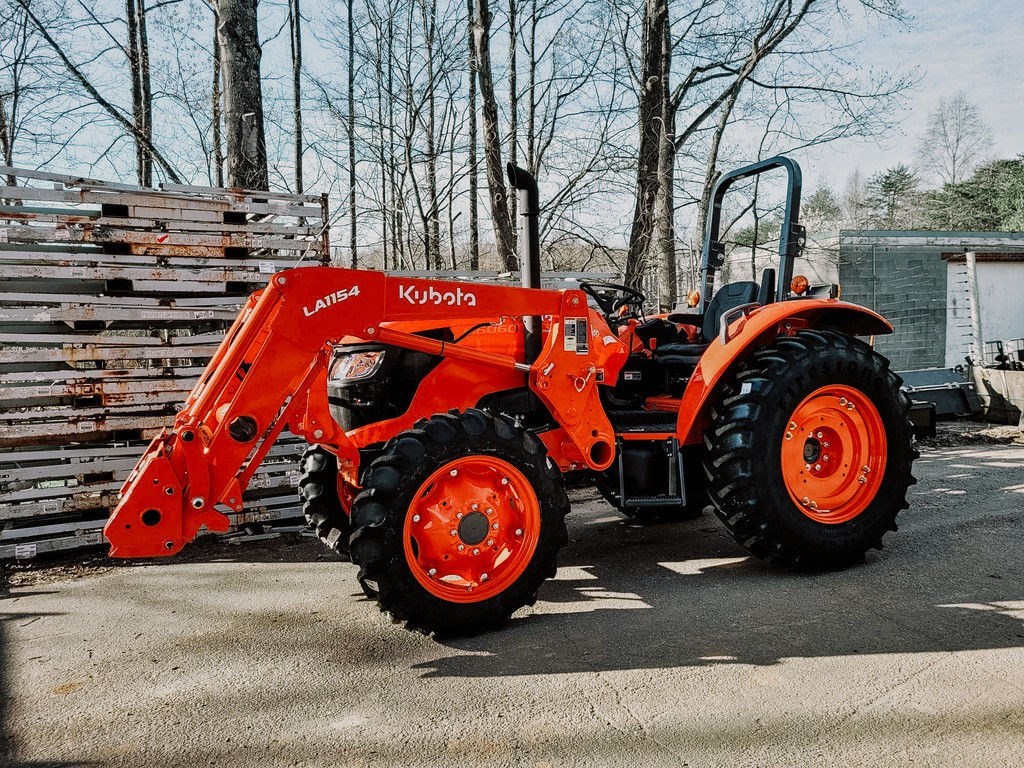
[(473, 528), (812, 449), (833, 454)]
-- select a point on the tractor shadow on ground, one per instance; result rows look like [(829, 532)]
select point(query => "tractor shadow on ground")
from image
[(671, 595)]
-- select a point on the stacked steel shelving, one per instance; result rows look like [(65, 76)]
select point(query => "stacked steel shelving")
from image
[(112, 300)]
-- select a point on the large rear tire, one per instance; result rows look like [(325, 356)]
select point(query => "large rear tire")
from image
[(810, 450), (459, 523)]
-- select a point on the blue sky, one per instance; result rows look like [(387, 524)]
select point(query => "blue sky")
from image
[(971, 45)]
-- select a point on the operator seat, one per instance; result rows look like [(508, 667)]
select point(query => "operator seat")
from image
[(727, 297), (679, 360)]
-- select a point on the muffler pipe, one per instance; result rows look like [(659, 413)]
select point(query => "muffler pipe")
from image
[(529, 247)]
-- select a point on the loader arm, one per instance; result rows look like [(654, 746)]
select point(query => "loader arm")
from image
[(260, 378)]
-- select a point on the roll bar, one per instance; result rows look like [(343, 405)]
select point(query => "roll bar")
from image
[(792, 235)]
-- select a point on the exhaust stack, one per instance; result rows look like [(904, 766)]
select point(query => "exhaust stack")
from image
[(529, 246)]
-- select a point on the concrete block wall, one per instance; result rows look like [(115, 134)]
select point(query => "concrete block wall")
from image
[(903, 276)]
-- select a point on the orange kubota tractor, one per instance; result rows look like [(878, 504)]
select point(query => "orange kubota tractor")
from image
[(445, 419)]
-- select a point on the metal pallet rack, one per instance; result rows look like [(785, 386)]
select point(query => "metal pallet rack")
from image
[(112, 300)]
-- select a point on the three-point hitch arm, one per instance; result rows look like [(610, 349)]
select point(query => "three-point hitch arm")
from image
[(266, 374)]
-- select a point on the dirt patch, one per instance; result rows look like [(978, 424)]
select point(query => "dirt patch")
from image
[(286, 547), (954, 434)]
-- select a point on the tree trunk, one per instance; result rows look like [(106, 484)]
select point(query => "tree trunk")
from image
[(147, 93), (474, 185), (382, 160), (6, 141), (513, 101), (531, 114), (433, 206), (352, 135), (216, 117), (243, 94), (295, 29), (665, 248), (649, 112), (503, 234), (135, 70), (397, 240)]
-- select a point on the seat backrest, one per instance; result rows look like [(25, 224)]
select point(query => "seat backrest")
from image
[(727, 297)]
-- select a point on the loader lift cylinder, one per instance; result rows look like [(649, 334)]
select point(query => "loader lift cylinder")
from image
[(529, 247)]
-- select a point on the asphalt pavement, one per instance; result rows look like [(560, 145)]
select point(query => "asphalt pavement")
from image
[(656, 645)]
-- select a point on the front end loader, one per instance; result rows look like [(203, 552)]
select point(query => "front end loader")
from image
[(444, 419)]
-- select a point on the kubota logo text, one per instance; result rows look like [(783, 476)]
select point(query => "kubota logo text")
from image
[(456, 298), (331, 299)]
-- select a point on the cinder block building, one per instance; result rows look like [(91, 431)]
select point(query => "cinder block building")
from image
[(919, 281)]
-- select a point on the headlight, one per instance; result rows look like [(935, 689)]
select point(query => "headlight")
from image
[(355, 366)]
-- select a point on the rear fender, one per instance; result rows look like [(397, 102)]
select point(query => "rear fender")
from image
[(756, 328)]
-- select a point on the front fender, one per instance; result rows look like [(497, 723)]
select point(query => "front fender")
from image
[(756, 328)]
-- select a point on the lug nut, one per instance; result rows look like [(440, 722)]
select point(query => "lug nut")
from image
[(495, 526), (792, 425), (490, 510), (824, 458), (474, 506), (458, 515), (789, 435), (476, 551), (865, 469), (454, 472), (817, 467), (843, 401), (814, 505), (519, 531), (454, 532), (490, 542), (198, 502), (504, 481), (415, 518), (807, 467), (432, 572), (483, 577), (805, 501), (862, 479), (461, 547), (819, 435)]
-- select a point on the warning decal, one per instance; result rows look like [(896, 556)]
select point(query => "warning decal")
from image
[(576, 336)]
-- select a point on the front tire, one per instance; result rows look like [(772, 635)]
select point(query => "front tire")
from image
[(810, 451), (459, 523), (321, 505)]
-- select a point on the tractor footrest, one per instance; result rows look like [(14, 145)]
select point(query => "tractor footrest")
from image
[(653, 501), (643, 421)]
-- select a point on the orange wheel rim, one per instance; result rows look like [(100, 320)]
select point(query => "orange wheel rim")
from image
[(472, 529), (833, 454)]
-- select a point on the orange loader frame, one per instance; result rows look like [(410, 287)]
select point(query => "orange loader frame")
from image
[(270, 373)]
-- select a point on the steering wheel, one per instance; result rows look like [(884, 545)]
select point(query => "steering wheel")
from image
[(621, 296)]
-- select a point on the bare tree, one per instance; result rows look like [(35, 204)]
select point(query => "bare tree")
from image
[(651, 86), (955, 141), (855, 200), (295, 44), (105, 104), (474, 193), (725, 48), (352, 236), (240, 54), (503, 234)]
